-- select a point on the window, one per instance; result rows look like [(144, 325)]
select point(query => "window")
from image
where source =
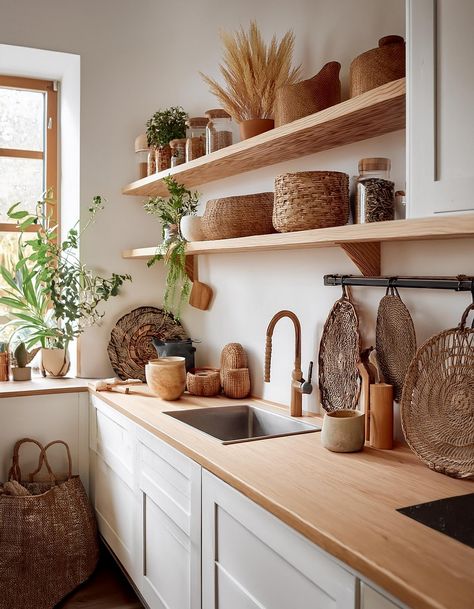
[(28, 156)]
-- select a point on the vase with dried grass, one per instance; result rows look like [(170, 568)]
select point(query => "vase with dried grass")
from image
[(253, 71)]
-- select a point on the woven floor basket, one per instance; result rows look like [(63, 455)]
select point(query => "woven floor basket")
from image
[(48, 537), (239, 216), (437, 407), (310, 199)]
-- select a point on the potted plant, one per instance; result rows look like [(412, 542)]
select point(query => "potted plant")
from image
[(252, 73), (161, 128), (21, 372), (181, 202), (52, 296)]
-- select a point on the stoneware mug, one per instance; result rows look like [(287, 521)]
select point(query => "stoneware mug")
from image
[(343, 431), (166, 377)]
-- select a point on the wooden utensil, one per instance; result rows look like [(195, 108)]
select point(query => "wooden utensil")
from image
[(375, 363), (381, 416), (201, 293), (364, 374)]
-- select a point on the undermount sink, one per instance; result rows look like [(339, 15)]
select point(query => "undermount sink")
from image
[(233, 424)]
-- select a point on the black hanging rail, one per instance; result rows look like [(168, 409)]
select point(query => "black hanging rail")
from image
[(461, 283)]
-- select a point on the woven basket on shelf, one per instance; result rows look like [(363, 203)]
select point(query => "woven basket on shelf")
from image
[(239, 216), (378, 66), (310, 199), (204, 381)]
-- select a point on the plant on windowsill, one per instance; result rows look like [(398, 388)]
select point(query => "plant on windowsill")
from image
[(52, 296), (22, 372), (181, 202), (161, 128)]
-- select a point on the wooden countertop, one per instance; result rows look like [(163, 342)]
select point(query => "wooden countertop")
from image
[(42, 386), (345, 503)]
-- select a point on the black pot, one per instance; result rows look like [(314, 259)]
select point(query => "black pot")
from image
[(181, 348)]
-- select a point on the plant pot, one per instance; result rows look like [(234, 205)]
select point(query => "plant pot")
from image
[(21, 374), (170, 232), (191, 228), (55, 362), (163, 158), (255, 126), (166, 377)]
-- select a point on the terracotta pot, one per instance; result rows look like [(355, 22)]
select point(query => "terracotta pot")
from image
[(21, 374), (343, 431), (55, 362), (166, 377), (255, 126)]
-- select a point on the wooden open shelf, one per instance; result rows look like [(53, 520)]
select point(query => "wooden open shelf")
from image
[(361, 242), (374, 113)]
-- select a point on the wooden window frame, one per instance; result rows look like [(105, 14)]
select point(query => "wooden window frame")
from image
[(50, 153)]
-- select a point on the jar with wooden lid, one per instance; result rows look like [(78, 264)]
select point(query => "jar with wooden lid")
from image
[(375, 196), (142, 151), (178, 151), (196, 141), (218, 130)]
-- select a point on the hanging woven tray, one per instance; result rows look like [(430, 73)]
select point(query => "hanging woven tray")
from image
[(395, 340), (437, 407), (339, 354), (130, 347)]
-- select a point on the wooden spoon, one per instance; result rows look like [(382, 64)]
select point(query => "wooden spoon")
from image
[(201, 293)]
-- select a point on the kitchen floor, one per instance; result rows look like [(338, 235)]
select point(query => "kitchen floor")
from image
[(107, 588)]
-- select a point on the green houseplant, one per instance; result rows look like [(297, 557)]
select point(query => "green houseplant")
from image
[(52, 296), (161, 128), (181, 202), (22, 372)]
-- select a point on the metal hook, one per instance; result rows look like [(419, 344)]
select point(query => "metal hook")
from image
[(390, 287)]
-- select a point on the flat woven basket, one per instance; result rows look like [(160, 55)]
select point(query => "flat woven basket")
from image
[(437, 407), (310, 199), (239, 216), (395, 340), (339, 354)]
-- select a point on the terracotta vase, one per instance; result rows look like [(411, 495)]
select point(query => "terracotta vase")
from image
[(255, 126), (163, 158), (166, 377), (55, 362)]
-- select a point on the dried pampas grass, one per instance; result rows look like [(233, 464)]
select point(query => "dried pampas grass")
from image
[(253, 72)]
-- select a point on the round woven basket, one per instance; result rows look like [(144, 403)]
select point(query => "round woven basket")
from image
[(232, 356), (204, 381), (239, 216), (437, 407), (237, 383), (310, 199)]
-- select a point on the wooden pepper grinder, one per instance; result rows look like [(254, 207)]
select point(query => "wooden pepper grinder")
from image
[(381, 416)]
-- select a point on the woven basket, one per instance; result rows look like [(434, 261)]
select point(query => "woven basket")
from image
[(437, 407), (310, 199), (378, 66), (204, 381), (239, 216), (308, 96), (232, 356), (237, 383)]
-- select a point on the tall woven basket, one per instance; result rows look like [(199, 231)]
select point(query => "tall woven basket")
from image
[(310, 199), (378, 66)]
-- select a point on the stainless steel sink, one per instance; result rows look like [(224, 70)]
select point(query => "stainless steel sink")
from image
[(232, 424)]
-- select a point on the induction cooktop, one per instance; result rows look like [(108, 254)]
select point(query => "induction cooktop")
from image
[(453, 516)]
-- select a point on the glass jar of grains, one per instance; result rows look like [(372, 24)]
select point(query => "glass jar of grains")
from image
[(375, 196), (178, 151), (196, 141), (218, 130)]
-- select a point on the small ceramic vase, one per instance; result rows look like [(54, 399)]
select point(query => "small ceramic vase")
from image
[(191, 228), (166, 377), (343, 431), (55, 362)]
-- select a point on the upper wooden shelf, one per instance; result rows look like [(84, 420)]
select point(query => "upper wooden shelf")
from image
[(374, 113)]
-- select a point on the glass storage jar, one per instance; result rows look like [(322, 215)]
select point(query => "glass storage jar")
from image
[(141, 154), (375, 196), (218, 130), (178, 151), (196, 141)]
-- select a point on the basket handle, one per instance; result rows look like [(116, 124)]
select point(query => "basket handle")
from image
[(69, 458), (462, 323), (15, 470)]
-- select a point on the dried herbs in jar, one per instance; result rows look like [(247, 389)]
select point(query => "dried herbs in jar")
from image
[(375, 197)]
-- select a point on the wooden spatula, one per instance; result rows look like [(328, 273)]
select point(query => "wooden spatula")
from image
[(201, 293)]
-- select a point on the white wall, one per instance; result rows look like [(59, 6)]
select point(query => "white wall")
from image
[(137, 56)]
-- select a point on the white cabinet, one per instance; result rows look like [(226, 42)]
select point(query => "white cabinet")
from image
[(169, 526), (371, 599), (440, 91), (251, 560)]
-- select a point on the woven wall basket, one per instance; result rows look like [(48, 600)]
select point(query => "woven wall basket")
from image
[(239, 216), (437, 407), (308, 96), (310, 199), (378, 66)]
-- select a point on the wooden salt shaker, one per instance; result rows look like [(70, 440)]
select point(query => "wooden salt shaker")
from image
[(381, 416)]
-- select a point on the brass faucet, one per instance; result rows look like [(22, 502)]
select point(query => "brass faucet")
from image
[(298, 384)]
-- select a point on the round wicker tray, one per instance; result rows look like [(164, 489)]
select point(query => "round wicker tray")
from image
[(339, 353), (395, 340), (130, 346), (437, 407)]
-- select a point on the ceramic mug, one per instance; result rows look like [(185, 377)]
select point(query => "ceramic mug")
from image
[(166, 377), (343, 431)]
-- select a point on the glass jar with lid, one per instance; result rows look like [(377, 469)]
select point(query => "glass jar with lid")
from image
[(141, 154), (218, 130), (178, 151), (375, 196), (196, 140)]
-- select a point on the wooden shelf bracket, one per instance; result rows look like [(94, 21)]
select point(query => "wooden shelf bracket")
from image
[(365, 255)]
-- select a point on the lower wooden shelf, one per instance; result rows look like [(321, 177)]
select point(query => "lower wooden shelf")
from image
[(361, 242)]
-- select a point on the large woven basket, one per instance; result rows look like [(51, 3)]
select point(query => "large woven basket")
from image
[(239, 216), (378, 66), (308, 96), (310, 199)]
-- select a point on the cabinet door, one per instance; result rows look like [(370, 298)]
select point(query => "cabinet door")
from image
[(440, 117), (170, 526), (251, 560), (371, 599)]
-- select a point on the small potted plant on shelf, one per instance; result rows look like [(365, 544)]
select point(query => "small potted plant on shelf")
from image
[(52, 297), (252, 73), (161, 128), (170, 210), (21, 372)]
